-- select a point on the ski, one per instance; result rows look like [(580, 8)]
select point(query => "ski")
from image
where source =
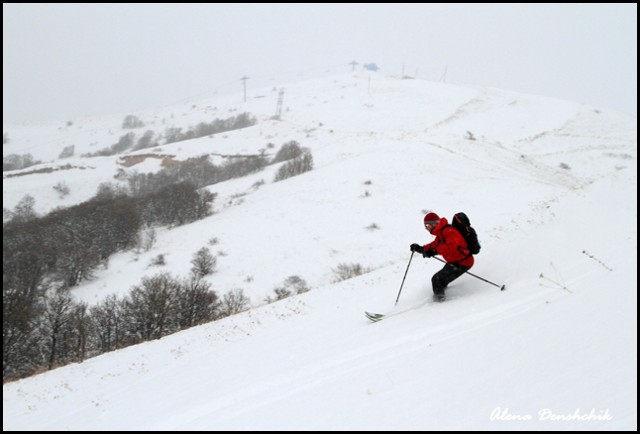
[(374, 316)]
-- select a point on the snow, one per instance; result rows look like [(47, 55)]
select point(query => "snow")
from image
[(556, 350)]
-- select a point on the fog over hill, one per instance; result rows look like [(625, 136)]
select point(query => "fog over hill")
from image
[(550, 186)]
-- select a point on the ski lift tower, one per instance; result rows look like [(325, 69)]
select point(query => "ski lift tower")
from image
[(279, 106)]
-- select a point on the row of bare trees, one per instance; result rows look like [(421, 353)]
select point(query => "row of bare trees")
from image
[(172, 134), (199, 171), (49, 329)]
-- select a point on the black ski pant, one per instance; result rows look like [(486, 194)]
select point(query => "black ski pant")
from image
[(448, 274)]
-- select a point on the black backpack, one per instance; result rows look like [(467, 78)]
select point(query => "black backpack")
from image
[(461, 222)]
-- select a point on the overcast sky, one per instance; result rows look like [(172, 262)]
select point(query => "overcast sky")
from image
[(66, 61)]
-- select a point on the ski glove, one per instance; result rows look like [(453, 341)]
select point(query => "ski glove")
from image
[(416, 248), (429, 253)]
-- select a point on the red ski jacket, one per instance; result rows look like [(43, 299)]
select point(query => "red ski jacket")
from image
[(450, 244)]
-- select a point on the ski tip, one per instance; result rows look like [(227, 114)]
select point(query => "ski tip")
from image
[(374, 316), (503, 287)]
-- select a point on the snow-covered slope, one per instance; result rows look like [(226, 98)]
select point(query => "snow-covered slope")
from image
[(550, 186)]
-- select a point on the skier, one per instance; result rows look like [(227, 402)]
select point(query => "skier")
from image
[(451, 245)]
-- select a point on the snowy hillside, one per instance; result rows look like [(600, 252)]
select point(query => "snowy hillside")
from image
[(550, 186)]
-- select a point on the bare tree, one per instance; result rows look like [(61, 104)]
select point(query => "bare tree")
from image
[(56, 317), (24, 209), (291, 285), (149, 310), (297, 284), (196, 303), (203, 263), (20, 315), (288, 151), (298, 165), (67, 151), (80, 325), (234, 302), (132, 121), (107, 324)]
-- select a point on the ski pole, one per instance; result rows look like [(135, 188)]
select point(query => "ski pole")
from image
[(405, 276), (502, 288)]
